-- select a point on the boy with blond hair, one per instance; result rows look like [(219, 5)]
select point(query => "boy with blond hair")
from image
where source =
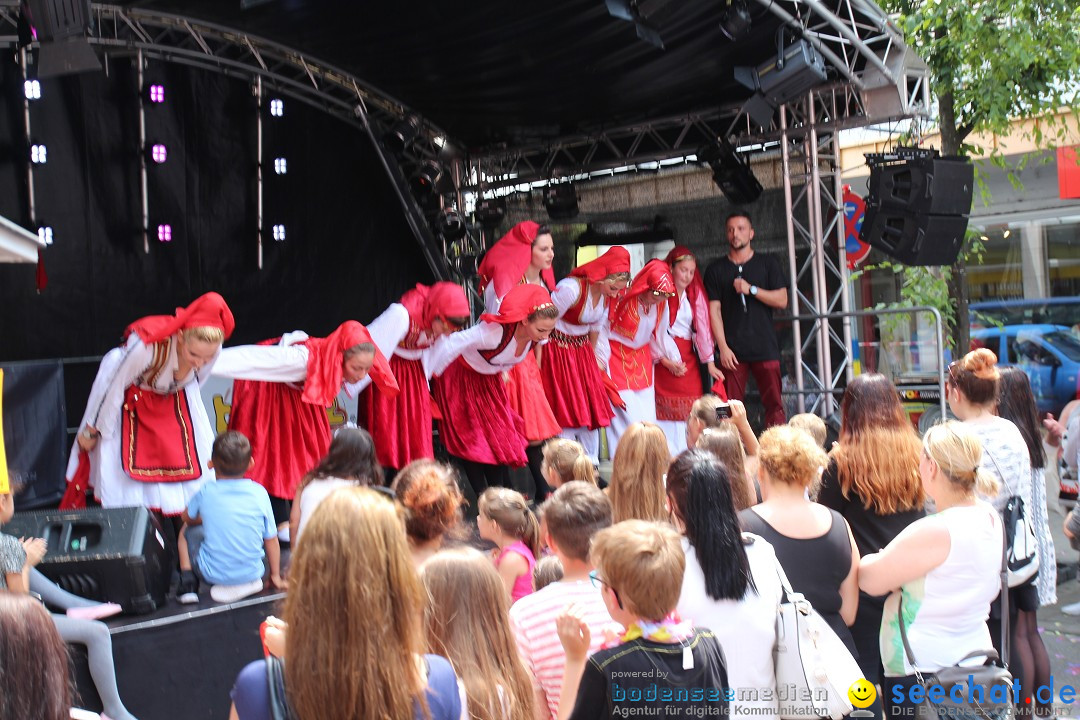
[(663, 666)]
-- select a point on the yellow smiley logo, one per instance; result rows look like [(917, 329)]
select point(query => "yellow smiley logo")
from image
[(862, 693)]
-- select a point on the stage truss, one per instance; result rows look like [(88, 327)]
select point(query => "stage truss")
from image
[(879, 80)]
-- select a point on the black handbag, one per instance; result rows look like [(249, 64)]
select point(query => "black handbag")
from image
[(977, 686)]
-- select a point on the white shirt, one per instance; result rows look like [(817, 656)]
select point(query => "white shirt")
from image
[(684, 320), (593, 316), (468, 344)]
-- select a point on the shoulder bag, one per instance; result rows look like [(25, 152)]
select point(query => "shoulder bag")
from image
[(1020, 543), (976, 686), (810, 658)]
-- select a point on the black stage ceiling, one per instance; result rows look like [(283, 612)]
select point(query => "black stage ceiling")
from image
[(492, 73)]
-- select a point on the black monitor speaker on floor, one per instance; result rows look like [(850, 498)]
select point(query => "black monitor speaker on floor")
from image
[(117, 555), (918, 205)]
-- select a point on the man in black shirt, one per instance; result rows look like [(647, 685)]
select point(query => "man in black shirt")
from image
[(744, 288)]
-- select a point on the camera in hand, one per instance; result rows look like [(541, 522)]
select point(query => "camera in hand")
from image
[(723, 411)]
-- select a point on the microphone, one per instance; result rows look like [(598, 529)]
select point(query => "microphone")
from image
[(742, 296)]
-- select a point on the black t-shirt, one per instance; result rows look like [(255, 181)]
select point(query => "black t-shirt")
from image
[(643, 678), (749, 332)]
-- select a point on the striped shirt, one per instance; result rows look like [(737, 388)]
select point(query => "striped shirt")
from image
[(533, 621)]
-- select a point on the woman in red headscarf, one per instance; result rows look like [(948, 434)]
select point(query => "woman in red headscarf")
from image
[(279, 400), (678, 383), (523, 257), (401, 426), (145, 437), (573, 382), (638, 338), (479, 427)]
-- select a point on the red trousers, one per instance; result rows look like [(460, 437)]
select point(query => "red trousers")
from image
[(767, 377)]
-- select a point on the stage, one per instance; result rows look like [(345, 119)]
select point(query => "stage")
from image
[(181, 660)]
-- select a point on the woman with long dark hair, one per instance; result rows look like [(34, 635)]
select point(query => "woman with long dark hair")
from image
[(730, 584), (1016, 403), (873, 481)]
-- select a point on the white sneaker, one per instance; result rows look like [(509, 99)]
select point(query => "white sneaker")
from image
[(283, 534), (232, 593), (1073, 609)]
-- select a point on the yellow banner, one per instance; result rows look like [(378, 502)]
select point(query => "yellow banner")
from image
[(5, 484)]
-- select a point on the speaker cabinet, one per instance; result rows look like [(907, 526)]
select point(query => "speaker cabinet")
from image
[(914, 239), (117, 555), (934, 186)]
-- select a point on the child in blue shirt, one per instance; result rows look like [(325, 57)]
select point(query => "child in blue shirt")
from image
[(227, 526)]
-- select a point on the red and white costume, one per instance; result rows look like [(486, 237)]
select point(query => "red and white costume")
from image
[(573, 382), (280, 396), (478, 422), (502, 269), (401, 425), (637, 338), (156, 436), (688, 314)]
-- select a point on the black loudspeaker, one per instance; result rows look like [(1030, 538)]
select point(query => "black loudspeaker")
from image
[(914, 239), (935, 186), (117, 555), (731, 173), (561, 201), (63, 27)]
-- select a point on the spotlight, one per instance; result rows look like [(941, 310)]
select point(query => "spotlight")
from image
[(279, 233), (404, 132), (158, 153), (731, 173), (427, 177), (44, 234), (280, 166), (451, 224), (490, 212), (561, 201), (164, 233), (735, 22), (32, 89), (38, 154), (638, 13), (277, 107), (157, 93)]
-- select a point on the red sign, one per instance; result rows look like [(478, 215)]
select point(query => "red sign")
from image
[(1068, 173), (854, 211)]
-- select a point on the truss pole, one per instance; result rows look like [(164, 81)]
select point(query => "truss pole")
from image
[(841, 244), (144, 191), (796, 328), (30, 199), (258, 89), (821, 294)]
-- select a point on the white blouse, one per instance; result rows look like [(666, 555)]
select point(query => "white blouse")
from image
[(684, 320), (593, 316), (468, 344)]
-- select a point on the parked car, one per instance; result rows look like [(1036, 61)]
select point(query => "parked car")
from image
[(1049, 354)]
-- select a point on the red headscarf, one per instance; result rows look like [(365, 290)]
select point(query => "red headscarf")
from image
[(209, 310), (654, 277), (325, 356), (695, 290), (443, 299), (507, 260), (615, 260), (521, 302)]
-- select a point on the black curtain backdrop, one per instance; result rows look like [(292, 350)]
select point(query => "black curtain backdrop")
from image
[(348, 252)]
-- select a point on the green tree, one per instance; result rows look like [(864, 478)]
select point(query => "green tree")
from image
[(991, 62)]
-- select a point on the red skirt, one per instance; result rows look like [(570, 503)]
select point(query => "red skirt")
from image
[(630, 369), (157, 440), (675, 395), (288, 436), (525, 389), (573, 384), (400, 426), (477, 422)]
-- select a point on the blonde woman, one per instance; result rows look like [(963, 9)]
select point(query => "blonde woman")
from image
[(354, 639), (636, 489), (813, 543), (724, 444), (945, 567), (467, 621)]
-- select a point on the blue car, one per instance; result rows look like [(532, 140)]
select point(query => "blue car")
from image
[(1049, 354)]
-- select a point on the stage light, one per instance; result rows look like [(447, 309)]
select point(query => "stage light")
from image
[(735, 22), (159, 154), (561, 201), (157, 93), (451, 225), (427, 177), (280, 166), (44, 234), (279, 233), (490, 212), (404, 132), (38, 154), (277, 107), (32, 89), (164, 233)]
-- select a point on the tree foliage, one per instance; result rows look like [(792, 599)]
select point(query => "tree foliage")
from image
[(992, 62)]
